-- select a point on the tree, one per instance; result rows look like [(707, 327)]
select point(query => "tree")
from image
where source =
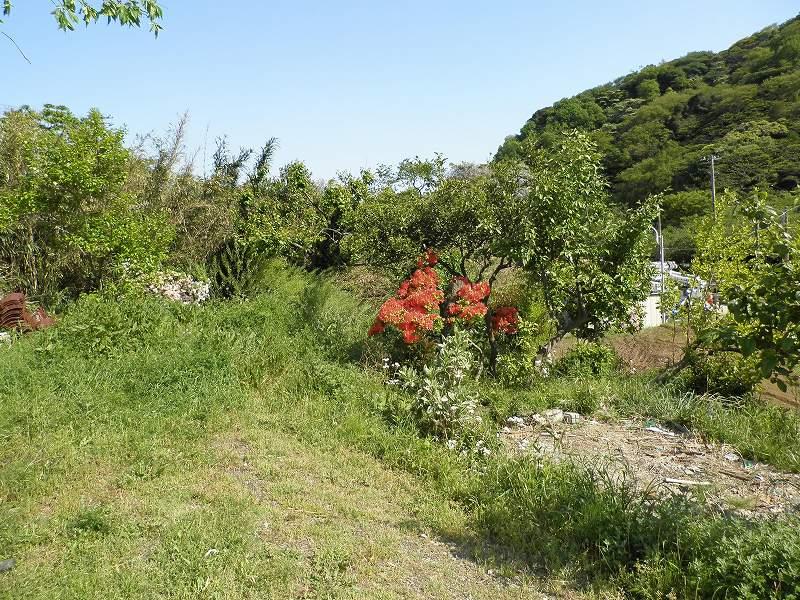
[(590, 259), (754, 262), (69, 13), (463, 215), (66, 221), (765, 312), (548, 213), (648, 89)]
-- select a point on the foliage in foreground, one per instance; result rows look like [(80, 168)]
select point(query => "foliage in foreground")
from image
[(139, 370), (69, 13)]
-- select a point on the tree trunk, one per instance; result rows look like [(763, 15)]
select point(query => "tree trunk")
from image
[(492, 339)]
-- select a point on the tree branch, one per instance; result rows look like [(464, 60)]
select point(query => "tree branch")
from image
[(17, 47)]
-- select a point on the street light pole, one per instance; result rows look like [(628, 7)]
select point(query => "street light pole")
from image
[(661, 245)]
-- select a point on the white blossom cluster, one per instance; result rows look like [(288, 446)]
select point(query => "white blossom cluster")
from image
[(179, 287)]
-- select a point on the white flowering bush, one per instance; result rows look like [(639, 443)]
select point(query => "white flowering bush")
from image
[(178, 287), (443, 401)]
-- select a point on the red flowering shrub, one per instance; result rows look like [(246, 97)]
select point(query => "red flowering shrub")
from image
[(417, 306), (505, 319), (469, 299)]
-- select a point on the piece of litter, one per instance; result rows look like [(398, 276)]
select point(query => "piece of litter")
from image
[(655, 429), (211, 552), (553, 415), (731, 457), (516, 421), (686, 482), (572, 418)]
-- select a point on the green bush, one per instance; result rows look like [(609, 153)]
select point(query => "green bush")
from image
[(67, 224), (237, 269), (727, 374), (109, 322), (588, 358), (444, 402)]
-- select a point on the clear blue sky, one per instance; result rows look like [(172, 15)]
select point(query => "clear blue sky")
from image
[(350, 84)]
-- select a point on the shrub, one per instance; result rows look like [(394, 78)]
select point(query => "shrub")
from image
[(109, 321), (588, 358), (421, 311), (237, 269), (725, 373), (443, 402), (66, 223)]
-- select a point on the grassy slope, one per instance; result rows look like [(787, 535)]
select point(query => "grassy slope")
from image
[(182, 452), (236, 450)]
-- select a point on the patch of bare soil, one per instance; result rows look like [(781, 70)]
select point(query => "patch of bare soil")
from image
[(661, 461)]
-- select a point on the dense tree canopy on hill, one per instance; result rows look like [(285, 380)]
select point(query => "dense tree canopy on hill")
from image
[(656, 125)]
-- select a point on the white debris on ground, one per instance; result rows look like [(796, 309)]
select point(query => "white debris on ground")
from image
[(5, 337), (661, 460), (179, 287)]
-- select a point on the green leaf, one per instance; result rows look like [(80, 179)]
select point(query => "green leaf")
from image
[(769, 360)]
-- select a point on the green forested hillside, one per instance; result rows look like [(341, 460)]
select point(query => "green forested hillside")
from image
[(657, 124)]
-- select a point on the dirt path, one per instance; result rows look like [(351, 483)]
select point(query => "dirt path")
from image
[(354, 529)]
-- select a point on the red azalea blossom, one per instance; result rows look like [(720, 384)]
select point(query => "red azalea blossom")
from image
[(415, 308), (469, 299), (473, 310), (506, 320), (471, 292), (429, 259)]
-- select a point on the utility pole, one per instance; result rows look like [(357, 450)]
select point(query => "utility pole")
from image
[(712, 159)]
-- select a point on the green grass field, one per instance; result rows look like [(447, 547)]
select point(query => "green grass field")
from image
[(239, 450)]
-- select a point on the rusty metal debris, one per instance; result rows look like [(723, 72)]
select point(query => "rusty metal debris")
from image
[(14, 314)]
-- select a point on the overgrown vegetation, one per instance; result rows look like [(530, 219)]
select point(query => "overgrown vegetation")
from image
[(130, 429), (111, 449)]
